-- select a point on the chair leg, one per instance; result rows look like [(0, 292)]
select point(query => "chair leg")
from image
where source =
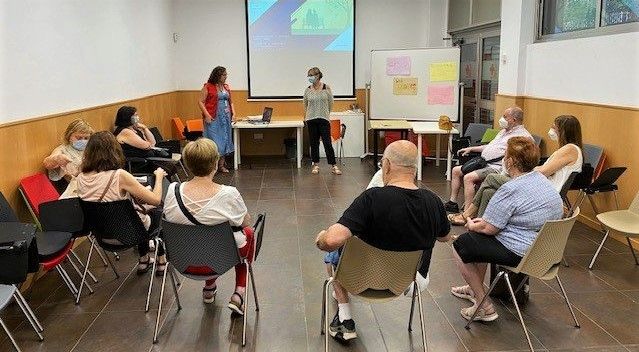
[(412, 307), (84, 278), (24, 301), (155, 261), (29, 317), (323, 307), (67, 280), (492, 286), (75, 255), (77, 271), (13, 341), (117, 256), (421, 316), (616, 199), (250, 270), (99, 250), (329, 282), (632, 250), (157, 320), (596, 210), (117, 276), (563, 292), (246, 305), (521, 318), (565, 262), (592, 262), (174, 284)]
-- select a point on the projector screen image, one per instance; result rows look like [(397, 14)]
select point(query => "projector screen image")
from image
[(288, 37)]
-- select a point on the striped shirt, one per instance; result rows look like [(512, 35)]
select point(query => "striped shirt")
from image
[(318, 103)]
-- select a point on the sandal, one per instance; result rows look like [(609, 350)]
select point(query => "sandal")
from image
[(457, 219), (315, 169), (463, 292), (160, 268), (208, 295), (237, 308), (482, 315), (144, 266), (336, 170)]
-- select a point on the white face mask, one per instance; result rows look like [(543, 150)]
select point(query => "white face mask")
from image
[(553, 135), (503, 123), (135, 119)]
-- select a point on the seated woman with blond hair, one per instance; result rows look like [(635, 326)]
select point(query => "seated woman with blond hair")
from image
[(103, 180), (63, 164), (210, 203)]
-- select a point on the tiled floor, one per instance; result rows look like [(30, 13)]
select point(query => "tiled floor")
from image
[(289, 275)]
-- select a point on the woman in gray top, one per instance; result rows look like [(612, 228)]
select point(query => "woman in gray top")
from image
[(318, 102)]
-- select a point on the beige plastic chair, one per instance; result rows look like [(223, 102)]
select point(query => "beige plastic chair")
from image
[(375, 275), (542, 261), (625, 221)]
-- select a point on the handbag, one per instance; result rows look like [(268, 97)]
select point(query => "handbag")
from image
[(445, 123), (477, 163)]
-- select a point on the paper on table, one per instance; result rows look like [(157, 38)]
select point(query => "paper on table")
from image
[(398, 66), (405, 86), (440, 95), (443, 71)]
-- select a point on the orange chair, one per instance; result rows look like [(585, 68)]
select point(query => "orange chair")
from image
[(178, 127), (195, 125)]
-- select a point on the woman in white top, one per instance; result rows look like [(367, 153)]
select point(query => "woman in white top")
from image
[(567, 159), (210, 203)]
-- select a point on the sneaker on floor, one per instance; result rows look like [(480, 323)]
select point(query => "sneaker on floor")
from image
[(451, 207), (344, 330)]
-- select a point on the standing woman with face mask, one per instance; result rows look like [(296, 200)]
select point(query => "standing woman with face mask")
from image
[(318, 102), (217, 111), (63, 164)]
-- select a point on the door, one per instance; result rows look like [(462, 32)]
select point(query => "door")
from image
[(468, 73), (489, 79)]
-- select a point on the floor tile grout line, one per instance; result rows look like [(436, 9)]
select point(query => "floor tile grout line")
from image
[(448, 321), (379, 328), (103, 308)]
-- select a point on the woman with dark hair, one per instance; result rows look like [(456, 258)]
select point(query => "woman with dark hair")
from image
[(136, 139), (567, 159), (217, 111), (102, 179), (507, 228)]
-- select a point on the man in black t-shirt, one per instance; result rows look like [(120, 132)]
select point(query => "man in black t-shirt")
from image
[(396, 217)]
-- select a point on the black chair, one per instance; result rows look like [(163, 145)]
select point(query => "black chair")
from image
[(172, 145), (116, 227), (565, 188), (211, 246), (13, 270), (606, 182)]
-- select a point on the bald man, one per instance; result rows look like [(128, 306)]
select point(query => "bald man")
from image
[(397, 217)]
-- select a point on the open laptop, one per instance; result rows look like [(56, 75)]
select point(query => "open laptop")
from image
[(266, 117)]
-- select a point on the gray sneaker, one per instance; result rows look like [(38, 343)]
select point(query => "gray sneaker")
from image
[(344, 330)]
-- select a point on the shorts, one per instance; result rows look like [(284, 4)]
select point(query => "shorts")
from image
[(333, 257), (475, 247), (483, 173)]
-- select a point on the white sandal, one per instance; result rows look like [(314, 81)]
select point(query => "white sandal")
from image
[(464, 292), (336, 170), (315, 169), (482, 315)]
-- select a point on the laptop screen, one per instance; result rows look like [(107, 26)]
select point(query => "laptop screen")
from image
[(266, 115)]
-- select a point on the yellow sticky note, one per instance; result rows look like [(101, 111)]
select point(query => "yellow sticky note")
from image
[(405, 86), (443, 71)]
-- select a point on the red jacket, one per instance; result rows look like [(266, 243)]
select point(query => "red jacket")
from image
[(211, 99)]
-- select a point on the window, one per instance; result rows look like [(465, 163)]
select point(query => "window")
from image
[(587, 17)]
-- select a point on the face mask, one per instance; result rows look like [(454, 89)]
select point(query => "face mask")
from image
[(312, 79), (135, 119), (553, 135), (80, 144), (503, 123)]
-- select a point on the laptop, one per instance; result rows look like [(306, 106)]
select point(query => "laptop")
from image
[(266, 117)]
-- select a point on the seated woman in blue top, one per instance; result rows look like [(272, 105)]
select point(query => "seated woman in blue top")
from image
[(508, 227)]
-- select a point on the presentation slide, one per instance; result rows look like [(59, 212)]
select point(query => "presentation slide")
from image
[(287, 37)]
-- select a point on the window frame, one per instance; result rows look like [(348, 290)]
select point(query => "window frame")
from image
[(598, 30)]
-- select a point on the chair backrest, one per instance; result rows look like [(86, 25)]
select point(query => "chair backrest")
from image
[(634, 206), (62, 215), (37, 189), (584, 178), (6, 213), (178, 127), (115, 220), (545, 254), (608, 177), (156, 134), (342, 132), (195, 125), (489, 135), (372, 272), (476, 131), (566, 186), (14, 262), (537, 139), (593, 155), (259, 233), (335, 130), (199, 245)]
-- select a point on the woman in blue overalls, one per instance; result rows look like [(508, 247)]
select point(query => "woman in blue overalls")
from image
[(217, 112)]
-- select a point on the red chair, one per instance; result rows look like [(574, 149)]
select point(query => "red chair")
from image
[(55, 242)]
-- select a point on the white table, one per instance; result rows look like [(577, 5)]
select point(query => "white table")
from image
[(279, 122), (426, 127)]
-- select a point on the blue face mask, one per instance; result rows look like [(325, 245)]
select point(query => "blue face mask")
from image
[(312, 79), (80, 144)]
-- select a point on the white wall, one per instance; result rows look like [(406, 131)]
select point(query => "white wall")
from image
[(64, 55), (213, 32), (602, 69)]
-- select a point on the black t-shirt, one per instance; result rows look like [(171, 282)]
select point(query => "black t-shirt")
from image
[(398, 219)]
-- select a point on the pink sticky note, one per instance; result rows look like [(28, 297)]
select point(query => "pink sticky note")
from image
[(398, 66), (440, 95)]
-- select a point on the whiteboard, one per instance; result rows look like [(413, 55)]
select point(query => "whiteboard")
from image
[(393, 94)]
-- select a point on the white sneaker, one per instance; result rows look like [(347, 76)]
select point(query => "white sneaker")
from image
[(422, 283)]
